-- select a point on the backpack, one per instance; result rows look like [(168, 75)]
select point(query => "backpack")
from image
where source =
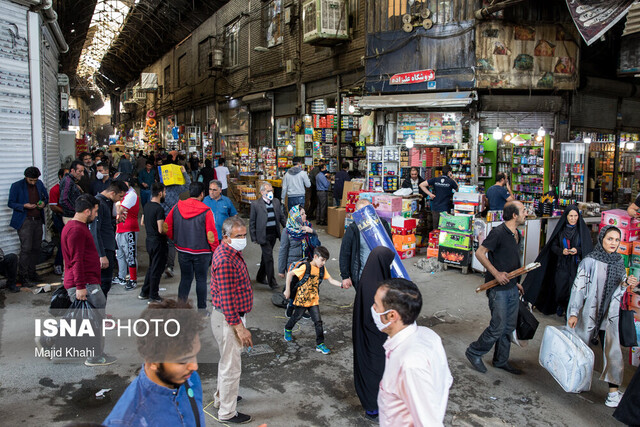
[(278, 299)]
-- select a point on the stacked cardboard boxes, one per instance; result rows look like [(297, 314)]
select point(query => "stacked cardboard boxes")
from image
[(404, 236), (455, 239), (434, 244), (630, 230)]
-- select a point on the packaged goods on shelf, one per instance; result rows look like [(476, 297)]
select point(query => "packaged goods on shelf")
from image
[(619, 218)]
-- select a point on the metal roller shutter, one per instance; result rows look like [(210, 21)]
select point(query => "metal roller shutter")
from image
[(51, 112), (512, 121), (593, 112), (15, 112), (630, 114)]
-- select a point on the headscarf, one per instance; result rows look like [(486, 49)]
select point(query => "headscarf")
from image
[(615, 272), (294, 229), (570, 232)]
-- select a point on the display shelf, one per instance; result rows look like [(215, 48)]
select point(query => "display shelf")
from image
[(383, 168), (460, 162)]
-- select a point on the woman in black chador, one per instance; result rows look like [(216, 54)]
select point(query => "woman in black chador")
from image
[(548, 288), (368, 352)]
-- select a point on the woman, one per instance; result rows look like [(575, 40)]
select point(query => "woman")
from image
[(368, 352), (548, 287), (595, 305), (628, 411), (295, 240)]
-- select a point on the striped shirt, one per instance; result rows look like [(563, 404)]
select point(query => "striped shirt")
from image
[(271, 218)]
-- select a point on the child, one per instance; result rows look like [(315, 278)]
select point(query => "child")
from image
[(307, 296)]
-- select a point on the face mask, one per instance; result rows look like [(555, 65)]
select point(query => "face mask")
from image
[(99, 175), (238, 244), (378, 320), (270, 195)]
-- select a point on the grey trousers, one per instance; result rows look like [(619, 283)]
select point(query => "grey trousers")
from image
[(30, 235)]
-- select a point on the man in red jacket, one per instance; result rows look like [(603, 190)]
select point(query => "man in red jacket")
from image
[(190, 224), (82, 267)]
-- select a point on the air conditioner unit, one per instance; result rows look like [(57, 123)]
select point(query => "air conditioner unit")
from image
[(325, 22)]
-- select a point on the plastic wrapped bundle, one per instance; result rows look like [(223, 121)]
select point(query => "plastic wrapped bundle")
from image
[(567, 358), (374, 234)]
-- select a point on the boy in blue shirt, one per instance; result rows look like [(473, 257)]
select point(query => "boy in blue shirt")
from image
[(221, 206)]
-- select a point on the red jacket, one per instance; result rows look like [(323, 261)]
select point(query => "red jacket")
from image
[(191, 226)]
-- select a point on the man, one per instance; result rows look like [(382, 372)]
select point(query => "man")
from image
[(443, 198), (115, 160), (9, 269), (28, 198), (70, 190), (103, 230), (56, 217), (103, 178), (338, 183), (156, 243), (125, 165), (265, 219), (146, 179), (191, 226), (220, 205), (499, 194), (222, 173), (127, 229), (194, 166), (313, 203), (232, 299), (167, 391), (294, 183), (354, 251), (172, 195), (503, 248), (322, 187), (413, 181), (82, 263), (415, 386), (141, 162), (89, 175), (207, 173)]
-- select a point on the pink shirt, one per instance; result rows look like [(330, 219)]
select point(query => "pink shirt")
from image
[(415, 386)]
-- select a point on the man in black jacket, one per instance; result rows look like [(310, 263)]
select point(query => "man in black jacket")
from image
[(313, 202), (354, 251), (103, 230), (264, 227)]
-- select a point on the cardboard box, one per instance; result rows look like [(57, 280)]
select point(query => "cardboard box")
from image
[(630, 235), (432, 252), (335, 221), (636, 248), (454, 256), (456, 223), (625, 248), (404, 243), (619, 218), (449, 239), (402, 222), (387, 203), (388, 216), (407, 254), (409, 205), (402, 231), (627, 262), (171, 174), (634, 270), (349, 186)]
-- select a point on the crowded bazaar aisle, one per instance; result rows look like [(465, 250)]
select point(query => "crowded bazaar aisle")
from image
[(290, 384)]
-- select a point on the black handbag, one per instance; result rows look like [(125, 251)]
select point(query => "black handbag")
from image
[(527, 324), (626, 325)]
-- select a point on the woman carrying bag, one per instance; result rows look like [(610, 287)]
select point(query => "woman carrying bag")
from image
[(594, 305), (548, 288)]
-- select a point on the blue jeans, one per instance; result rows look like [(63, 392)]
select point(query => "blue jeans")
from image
[(190, 266), (145, 196), (504, 315), (294, 201)]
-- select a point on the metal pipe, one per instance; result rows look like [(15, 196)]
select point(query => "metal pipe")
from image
[(51, 18)]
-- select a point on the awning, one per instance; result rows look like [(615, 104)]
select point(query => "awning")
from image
[(422, 100)]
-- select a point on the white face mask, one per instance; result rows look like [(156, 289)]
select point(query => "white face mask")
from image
[(238, 244), (99, 175), (269, 195), (378, 320)]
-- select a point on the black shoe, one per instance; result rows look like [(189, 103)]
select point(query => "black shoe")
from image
[(273, 285), (238, 399), (560, 311), (371, 415), (306, 315), (288, 312), (130, 285), (240, 418), (509, 368), (154, 299), (476, 362), (262, 282), (141, 296)]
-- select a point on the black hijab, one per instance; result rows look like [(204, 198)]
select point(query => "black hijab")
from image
[(368, 350)]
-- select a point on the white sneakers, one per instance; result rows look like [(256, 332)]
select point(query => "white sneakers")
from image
[(613, 399)]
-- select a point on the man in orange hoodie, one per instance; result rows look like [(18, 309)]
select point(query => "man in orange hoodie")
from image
[(190, 224)]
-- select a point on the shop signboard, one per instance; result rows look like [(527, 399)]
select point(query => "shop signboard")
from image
[(594, 18), (412, 77)]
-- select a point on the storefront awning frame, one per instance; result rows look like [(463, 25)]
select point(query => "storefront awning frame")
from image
[(420, 100)]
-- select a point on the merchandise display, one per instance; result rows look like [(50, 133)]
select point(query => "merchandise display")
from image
[(383, 168), (460, 162)]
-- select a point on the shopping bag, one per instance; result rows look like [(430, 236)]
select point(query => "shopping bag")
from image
[(513, 337), (71, 344), (567, 358), (626, 324), (527, 323), (59, 301)]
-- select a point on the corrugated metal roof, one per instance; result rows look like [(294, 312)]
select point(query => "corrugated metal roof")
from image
[(633, 20)]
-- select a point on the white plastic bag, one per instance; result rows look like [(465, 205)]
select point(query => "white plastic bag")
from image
[(514, 339), (567, 358)]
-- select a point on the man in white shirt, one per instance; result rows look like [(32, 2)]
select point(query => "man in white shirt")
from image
[(222, 172), (415, 386)]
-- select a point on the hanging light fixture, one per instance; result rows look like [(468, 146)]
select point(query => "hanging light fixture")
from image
[(541, 131), (508, 137), (409, 142), (352, 109), (497, 133)]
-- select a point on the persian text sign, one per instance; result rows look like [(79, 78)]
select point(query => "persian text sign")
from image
[(413, 77), (593, 18)]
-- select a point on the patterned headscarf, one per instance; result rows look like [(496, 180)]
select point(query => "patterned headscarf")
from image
[(615, 272), (294, 228)]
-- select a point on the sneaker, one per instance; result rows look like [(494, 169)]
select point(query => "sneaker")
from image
[(156, 299), (118, 281), (169, 272), (130, 285), (288, 312), (288, 337), (57, 269), (323, 349), (306, 315), (613, 399), (141, 296), (240, 418), (103, 360)]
